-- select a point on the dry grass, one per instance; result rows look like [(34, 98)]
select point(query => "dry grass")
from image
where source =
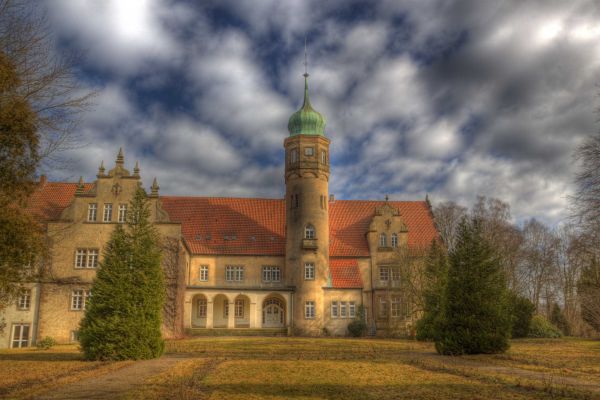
[(26, 372)]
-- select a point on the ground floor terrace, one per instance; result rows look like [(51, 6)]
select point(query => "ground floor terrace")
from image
[(237, 309)]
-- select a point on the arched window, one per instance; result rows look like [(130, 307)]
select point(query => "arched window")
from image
[(394, 240), (309, 232), (382, 240)]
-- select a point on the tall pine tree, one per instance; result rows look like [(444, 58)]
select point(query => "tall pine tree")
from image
[(436, 273), (474, 315), (123, 317)]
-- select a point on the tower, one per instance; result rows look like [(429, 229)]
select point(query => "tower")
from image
[(307, 217)]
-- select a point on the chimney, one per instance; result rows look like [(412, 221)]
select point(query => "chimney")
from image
[(43, 180), (331, 198)]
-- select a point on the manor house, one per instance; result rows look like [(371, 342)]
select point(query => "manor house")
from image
[(307, 264)]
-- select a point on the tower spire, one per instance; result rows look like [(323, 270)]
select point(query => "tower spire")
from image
[(305, 60)]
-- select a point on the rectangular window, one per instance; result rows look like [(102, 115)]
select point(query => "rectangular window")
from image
[(201, 308), (86, 258), (225, 308), (334, 309), (20, 336), (323, 157), (203, 273), (396, 312), (234, 273), (309, 151), (395, 272), (309, 271), (383, 307), (239, 308), (271, 274), (107, 213), (24, 300), (343, 309), (92, 210), (351, 310), (122, 213), (74, 336), (309, 310), (384, 274), (78, 299), (293, 156)]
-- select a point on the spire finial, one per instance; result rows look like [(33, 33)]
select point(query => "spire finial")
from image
[(136, 169), (387, 198), (80, 186), (120, 158), (101, 169), (305, 59), (154, 188)]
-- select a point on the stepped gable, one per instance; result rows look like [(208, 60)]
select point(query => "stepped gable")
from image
[(49, 199), (229, 225), (345, 273), (349, 222)]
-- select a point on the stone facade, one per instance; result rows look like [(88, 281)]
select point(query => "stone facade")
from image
[(302, 265)]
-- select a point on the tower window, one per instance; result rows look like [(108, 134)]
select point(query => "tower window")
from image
[(293, 156), (383, 240), (394, 240), (309, 310), (309, 271), (309, 232), (323, 157), (309, 151)]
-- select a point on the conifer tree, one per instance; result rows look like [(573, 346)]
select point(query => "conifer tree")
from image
[(123, 317), (436, 272), (474, 317)]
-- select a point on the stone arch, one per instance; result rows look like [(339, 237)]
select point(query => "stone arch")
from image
[(220, 311), (199, 311), (241, 310)]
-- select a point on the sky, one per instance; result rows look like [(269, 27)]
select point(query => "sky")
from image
[(452, 99)]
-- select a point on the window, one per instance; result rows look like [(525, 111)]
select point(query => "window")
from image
[(24, 300), (239, 308), (384, 274), (107, 213), (234, 273), (202, 308), (92, 210), (293, 156), (309, 271), (351, 310), (86, 258), (20, 336), (309, 232), (271, 274), (323, 157), (203, 276), (78, 299), (122, 212), (323, 202), (334, 309), (383, 307), (343, 309), (382, 240), (396, 306), (74, 336), (395, 274), (309, 151), (394, 240), (225, 308), (295, 202), (309, 310)]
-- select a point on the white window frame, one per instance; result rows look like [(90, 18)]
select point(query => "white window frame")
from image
[(382, 240), (309, 271), (394, 240), (92, 212), (396, 307), (24, 300), (343, 309), (395, 274), (323, 157), (92, 258), (239, 308), (293, 155), (86, 258), (22, 340), (79, 298), (334, 309), (309, 151), (309, 232), (271, 273), (309, 310), (225, 308), (202, 307), (384, 274), (107, 215), (351, 309), (203, 273), (122, 213), (234, 273)]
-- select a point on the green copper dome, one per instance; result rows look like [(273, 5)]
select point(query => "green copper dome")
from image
[(307, 120)]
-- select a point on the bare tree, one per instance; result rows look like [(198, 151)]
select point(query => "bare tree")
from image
[(447, 216)]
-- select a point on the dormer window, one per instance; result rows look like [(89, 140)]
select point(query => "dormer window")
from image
[(309, 232), (394, 240), (383, 240)]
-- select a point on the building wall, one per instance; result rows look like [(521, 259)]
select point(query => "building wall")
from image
[(14, 315), (338, 326)]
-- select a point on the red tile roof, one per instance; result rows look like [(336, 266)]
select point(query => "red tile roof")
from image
[(51, 198), (248, 226), (345, 273), (229, 225)]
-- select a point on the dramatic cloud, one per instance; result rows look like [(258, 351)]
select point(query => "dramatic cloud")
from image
[(450, 98)]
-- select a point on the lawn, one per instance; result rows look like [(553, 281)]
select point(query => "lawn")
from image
[(303, 368)]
